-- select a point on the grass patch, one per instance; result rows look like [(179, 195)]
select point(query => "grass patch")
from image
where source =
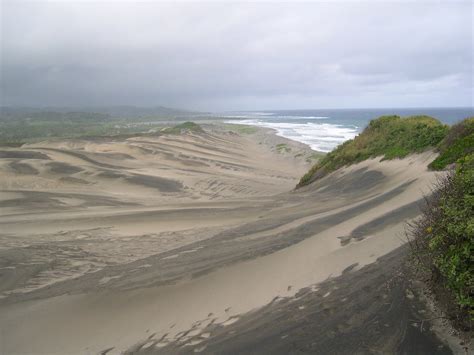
[(185, 127), (241, 129), (283, 148), (315, 156), (388, 136), (459, 142)]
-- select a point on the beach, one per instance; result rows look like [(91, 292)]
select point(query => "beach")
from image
[(188, 243)]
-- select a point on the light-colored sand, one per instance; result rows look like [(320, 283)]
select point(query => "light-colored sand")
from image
[(125, 258)]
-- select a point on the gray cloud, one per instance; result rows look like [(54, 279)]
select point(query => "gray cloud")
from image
[(237, 56)]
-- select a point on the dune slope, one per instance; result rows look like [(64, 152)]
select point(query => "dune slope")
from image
[(168, 243)]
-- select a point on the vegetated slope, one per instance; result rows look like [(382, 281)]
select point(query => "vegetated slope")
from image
[(458, 143), (443, 238), (183, 127), (387, 136)]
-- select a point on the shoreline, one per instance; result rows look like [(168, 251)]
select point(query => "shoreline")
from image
[(271, 132), (279, 133)]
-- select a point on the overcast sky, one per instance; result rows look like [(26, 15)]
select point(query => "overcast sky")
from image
[(236, 56)]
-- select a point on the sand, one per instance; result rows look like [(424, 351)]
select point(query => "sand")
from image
[(150, 243)]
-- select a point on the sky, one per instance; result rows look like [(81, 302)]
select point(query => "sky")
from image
[(218, 56)]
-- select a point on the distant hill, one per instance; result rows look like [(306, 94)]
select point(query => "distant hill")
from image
[(134, 111), (111, 112), (19, 125)]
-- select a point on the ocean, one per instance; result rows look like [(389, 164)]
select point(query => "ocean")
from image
[(323, 130)]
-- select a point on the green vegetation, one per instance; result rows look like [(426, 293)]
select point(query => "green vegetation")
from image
[(311, 158), (388, 136), (183, 128), (315, 157), (443, 239), (37, 126), (458, 143), (241, 129), (26, 125), (283, 148)]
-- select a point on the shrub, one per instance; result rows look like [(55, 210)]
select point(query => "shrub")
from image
[(388, 136), (443, 238), (183, 127), (458, 143)]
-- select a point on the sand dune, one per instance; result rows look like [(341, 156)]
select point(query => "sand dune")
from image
[(158, 243)]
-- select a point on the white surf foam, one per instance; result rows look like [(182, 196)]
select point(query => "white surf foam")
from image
[(322, 137), (272, 116)]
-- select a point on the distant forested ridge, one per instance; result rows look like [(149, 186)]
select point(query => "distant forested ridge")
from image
[(20, 125), (111, 112)]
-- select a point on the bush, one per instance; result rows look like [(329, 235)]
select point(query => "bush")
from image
[(388, 136), (443, 238), (183, 128), (458, 143)]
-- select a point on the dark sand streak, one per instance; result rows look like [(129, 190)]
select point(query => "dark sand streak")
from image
[(366, 311)]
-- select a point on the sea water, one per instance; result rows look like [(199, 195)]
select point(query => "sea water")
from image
[(323, 130)]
